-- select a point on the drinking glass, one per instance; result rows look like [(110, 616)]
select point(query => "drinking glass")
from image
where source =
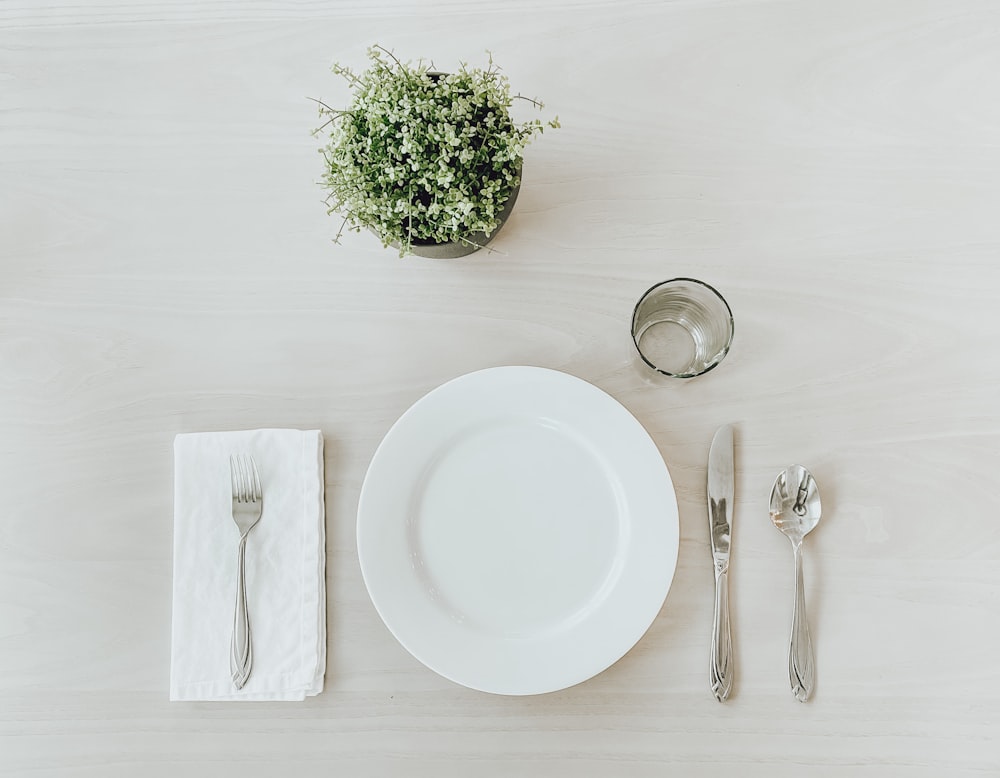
[(682, 328)]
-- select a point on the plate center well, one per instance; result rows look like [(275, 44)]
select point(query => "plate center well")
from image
[(517, 527)]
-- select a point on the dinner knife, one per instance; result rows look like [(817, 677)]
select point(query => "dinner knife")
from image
[(720, 521)]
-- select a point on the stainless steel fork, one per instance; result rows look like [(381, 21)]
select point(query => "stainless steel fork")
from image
[(248, 502)]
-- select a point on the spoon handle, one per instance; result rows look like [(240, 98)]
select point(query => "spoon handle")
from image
[(801, 661), (722, 641)]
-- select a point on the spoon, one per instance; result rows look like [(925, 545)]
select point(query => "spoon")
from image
[(795, 510)]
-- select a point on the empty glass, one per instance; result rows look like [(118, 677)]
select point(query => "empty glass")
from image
[(682, 328)]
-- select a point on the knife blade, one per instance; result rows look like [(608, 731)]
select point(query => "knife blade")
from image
[(721, 488)]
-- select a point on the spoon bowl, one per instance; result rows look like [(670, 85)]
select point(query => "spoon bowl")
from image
[(795, 503), (795, 511)]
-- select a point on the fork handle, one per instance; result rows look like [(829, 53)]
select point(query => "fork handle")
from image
[(241, 654)]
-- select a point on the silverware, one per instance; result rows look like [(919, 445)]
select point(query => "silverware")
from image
[(248, 503), (720, 519), (795, 510)]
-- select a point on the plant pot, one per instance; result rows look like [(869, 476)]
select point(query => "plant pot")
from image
[(460, 248), (392, 184)]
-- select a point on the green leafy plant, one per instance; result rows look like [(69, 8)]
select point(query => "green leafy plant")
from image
[(420, 156)]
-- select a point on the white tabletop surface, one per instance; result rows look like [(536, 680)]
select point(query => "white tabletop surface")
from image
[(166, 266)]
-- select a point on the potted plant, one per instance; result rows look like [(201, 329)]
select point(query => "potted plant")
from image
[(428, 161)]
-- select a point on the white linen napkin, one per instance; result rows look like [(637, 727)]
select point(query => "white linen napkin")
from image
[(285, 567)]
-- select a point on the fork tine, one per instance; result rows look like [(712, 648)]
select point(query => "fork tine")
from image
[(256, 492), (246, 489), (234, 477), (241, 483)]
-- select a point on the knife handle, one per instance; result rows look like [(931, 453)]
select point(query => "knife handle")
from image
[(722, 640)]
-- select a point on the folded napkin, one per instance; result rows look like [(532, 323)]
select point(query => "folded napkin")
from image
[(285, 561)]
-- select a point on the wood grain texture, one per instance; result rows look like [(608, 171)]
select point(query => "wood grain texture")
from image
[(166, 266)]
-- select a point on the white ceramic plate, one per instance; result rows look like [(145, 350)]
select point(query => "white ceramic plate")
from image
[(517, 530)]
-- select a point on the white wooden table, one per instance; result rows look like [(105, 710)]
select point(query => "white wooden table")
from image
[(166, 266)]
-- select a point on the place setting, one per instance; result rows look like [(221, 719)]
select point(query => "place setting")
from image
[(517, 530), (517, 527)]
